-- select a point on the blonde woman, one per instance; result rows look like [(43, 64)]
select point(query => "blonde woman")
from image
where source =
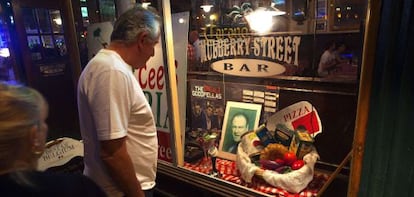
[(23, 131)]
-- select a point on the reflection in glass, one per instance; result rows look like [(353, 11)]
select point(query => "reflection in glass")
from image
[(321, 12), (61, 45), (47, 42), (43, 20), (84, 12), (35, 47), (56, 21), (29, 20), (34, 43), (107, 10), (6, 65), (347, 15)]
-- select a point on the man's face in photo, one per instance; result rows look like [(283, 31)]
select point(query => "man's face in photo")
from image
[(239, 127), (209, 111), (197, 110)]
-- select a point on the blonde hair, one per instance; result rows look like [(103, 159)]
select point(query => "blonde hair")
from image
[(20, 109)]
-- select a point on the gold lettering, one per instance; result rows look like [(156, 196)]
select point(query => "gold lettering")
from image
[(226, 47), (271, 49), (295, 44), (233, 50), (279, 48), (247, 45), (256, 46), (288, 50), (240, 46), (215, 49)]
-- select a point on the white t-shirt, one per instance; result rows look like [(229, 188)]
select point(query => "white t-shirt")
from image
[(112, 105), (327, 58), (197, 46)]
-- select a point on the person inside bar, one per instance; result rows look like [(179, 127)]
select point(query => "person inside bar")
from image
[(23, 131), (194, 45), (327, 61)]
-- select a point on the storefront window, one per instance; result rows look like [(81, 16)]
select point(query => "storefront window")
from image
[(287, 72)]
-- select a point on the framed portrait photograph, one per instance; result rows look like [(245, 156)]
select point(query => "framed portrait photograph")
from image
[(239, 118)]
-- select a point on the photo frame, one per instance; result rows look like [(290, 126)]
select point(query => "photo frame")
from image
[(250, 112)]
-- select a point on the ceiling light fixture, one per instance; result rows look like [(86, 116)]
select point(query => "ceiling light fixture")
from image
[(207, 5), (206, 8)]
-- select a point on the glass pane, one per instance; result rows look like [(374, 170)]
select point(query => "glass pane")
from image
[(35, 47), (84, 11), (6, 65), (56, 21), (321, 9), (29, 18), (61, 45), (245, 52), (47, 42), (107, 10), (347, 14), (44, 20)]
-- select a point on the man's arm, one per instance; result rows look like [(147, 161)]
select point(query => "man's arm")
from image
[(115, 157)]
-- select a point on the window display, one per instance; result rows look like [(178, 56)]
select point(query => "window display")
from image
[(285, 58), (257, 83)]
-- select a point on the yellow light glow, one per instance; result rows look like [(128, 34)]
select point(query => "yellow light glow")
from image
[(213, 17)]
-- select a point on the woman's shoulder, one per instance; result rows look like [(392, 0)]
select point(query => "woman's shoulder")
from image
[(49, 184)]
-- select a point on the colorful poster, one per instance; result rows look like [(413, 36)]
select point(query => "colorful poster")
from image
[(215, 94), (301, 114), (152, 80), (208, 100)]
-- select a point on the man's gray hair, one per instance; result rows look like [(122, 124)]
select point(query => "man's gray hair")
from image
[(134, 21)]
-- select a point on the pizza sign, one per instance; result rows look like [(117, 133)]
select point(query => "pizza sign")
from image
[(299, 115)]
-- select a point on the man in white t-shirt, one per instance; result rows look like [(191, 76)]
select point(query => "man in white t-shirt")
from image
[(117, 124), (327, 61)]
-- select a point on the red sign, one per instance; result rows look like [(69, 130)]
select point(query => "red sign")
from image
[(164, 148)]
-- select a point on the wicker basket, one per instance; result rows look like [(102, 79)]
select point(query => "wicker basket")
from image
[(293, 182)]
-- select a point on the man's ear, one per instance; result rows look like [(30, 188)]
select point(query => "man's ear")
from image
[(142, 38)]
